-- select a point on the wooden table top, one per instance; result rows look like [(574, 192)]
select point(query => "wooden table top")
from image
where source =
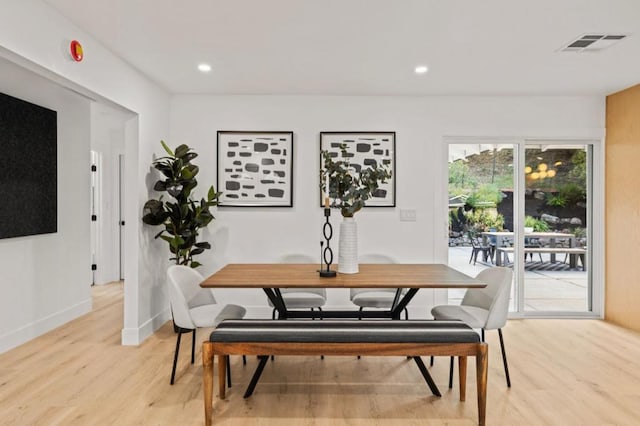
[(277, 275)]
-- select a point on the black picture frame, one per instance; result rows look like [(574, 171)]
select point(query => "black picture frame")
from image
[(28, 168), (255, 168), (376, 141)]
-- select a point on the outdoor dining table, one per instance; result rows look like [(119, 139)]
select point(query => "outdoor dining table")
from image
[(271, 277), (504, 238)]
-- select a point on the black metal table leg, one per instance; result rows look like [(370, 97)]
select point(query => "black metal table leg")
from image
[(399, 304), (256, 376), (427, 376), (276, 299)]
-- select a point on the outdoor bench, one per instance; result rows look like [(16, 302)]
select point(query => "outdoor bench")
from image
[(573, 252)]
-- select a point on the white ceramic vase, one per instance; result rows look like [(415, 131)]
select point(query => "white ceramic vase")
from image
[(348, 246)]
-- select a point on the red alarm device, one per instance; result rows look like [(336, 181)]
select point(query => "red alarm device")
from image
[(76, 51)]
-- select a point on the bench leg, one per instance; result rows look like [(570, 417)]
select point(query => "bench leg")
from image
[(481, 381), (222, 370), (427, 376), (256, 376), (462, 370), (207, 380)]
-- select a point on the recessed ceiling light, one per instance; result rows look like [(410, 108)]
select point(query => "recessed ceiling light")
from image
[(421, 69), (204, 67)]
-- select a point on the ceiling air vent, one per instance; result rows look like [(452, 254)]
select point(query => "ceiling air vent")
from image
[(593, 42)]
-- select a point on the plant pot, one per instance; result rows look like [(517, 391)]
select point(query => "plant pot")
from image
[(348, 247)]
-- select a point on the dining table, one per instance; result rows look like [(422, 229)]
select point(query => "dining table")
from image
[(407, 279)]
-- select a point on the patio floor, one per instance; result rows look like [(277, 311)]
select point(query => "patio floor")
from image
[(549, 287)]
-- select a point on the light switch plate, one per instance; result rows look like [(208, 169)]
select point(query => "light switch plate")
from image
[(407, 215)]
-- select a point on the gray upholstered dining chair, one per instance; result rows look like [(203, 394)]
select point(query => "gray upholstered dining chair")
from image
[(301, 298), (195, 307), (484, 308), (380, 298)]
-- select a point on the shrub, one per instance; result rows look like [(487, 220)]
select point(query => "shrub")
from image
[(481, 220), (538, 225)]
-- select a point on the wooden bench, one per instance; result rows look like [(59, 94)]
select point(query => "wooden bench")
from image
[(573, 252), (413, 338)]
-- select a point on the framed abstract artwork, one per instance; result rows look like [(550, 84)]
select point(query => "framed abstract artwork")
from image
[(255, 169), (365, 149)]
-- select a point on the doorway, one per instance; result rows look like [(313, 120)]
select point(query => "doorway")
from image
[(107, 215)]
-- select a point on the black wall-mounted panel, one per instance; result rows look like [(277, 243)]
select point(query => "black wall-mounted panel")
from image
[(28, 168)]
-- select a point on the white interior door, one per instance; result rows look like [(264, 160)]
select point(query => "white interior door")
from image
[(93, 214)]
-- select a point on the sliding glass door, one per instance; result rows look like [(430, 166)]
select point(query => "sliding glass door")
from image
[(557, 228), (525, 205), (481, 206)]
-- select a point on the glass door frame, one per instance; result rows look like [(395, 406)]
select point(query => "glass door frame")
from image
[(595, 258), (595, 218)]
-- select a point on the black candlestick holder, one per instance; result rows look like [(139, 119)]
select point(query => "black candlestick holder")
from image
[(327, 253)]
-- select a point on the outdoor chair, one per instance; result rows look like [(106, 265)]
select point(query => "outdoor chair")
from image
[(478, 247)]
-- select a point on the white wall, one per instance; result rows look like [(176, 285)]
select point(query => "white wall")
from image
[(37, 37), (45, 279), (420, 123)]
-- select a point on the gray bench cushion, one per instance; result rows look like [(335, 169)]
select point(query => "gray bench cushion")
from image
[(341, 331)]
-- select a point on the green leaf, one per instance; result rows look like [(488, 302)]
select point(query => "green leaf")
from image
[(188, 157), (166, 148), (181, 151), (193, 169), (186, 174), (160, 186), (195, 264)]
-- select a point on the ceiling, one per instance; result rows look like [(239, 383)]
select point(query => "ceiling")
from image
[(368, 47)]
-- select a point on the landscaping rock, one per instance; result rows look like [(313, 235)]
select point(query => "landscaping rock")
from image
[(550, 219)]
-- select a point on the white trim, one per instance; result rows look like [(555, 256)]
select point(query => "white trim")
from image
[(43, 325), (135, 336), (598, 255), (519, 213)]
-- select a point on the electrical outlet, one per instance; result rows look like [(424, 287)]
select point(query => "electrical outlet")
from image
[(407, 215)]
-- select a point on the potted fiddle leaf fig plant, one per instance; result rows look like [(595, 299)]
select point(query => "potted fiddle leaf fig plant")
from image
[(180, 216), (349, 188)]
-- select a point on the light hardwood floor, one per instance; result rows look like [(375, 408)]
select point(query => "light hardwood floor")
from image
[(564, 372)]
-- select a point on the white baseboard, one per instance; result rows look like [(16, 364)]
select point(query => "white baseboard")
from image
[(135, 336), (32, 330)]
